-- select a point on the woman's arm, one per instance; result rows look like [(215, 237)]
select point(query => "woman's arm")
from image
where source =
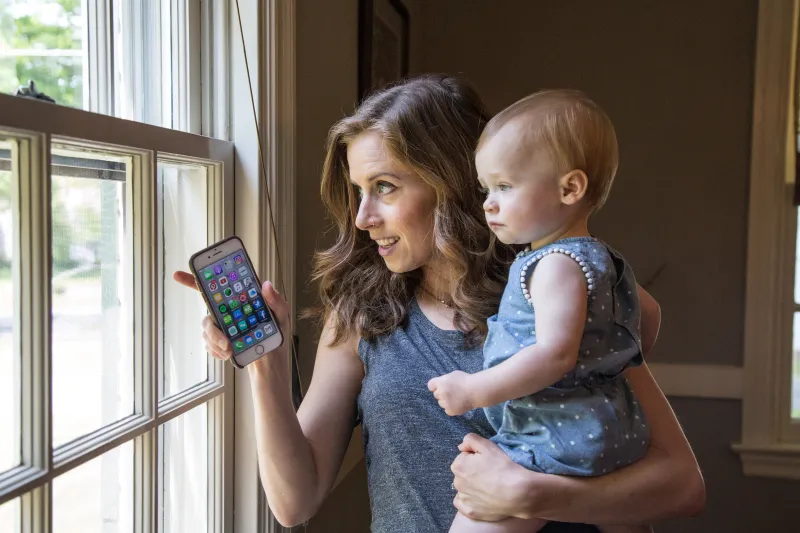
[(299, 454), (651, 319), (665, 483)]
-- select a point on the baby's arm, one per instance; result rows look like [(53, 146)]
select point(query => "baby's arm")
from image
[(558, 294)]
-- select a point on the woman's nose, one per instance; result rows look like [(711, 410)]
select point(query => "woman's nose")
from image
[(366, 217)]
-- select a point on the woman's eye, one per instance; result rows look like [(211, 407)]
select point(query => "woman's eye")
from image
[(385, 188), (359, 192)]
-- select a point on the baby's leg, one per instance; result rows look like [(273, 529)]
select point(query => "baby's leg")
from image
[(626, 529), (462, 524)]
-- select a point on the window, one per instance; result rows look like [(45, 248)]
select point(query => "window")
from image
[(157, 62), (771, 409), (134, 59), (95, 214)]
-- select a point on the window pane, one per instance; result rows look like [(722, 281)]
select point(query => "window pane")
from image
[(42, 40), (96, 497), (184, 467), (10, 397), (10, 514), (183, 232), (92, 327)]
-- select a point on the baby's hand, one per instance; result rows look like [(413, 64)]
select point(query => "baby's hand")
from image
[(453, 392)]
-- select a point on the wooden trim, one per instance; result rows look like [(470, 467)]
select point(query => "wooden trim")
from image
[(724, 382), (771, 231)]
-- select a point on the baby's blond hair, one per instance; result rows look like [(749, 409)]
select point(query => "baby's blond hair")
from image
[(572, 130)]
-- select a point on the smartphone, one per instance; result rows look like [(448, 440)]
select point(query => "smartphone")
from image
[(232, 292)]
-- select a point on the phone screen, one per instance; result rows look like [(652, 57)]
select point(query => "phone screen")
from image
[(233, 292)]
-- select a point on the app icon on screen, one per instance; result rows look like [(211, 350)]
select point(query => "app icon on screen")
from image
[(238, 345), (227, 292), (252, 320), (238, 287), (269, 329), (232, 331), (252, 293), (257, 303), (262, 315), (242, 325), (248, 340), (217, 297), (233, 276), (234, 303), (223, 308), (238, 259), (237, 314), (248, 282), (259, 334), (207, 273), (228, 264), (243, 297), (217, 270), (242, 271), (213, 286), (227, 320), (248, 309), (223, 281)]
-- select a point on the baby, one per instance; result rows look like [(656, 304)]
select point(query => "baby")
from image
[(569, 320)]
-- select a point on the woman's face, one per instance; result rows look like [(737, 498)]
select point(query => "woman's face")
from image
[(397, 207)]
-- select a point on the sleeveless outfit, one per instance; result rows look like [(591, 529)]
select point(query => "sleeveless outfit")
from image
[(589, 423), (409, 441)]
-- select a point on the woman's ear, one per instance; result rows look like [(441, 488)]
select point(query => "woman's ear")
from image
[(573, 186)]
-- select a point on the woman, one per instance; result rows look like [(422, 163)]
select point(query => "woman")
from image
[(405, 293)]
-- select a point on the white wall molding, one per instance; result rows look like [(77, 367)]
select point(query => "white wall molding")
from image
[(723, 382)]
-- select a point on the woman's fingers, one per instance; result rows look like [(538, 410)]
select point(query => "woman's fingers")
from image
[(214, 350), (185, 279), (278, 305)]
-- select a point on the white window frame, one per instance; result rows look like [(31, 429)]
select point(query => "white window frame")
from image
[(770, 443), (36, 124), (269, 38)]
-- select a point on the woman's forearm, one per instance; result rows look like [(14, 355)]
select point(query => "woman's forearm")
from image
[(285, 459), (666, 482), (646, 492)]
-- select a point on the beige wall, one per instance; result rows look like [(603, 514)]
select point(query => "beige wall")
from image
[(676, 77)]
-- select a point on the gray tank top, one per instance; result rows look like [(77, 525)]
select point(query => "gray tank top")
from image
[(409, 441)]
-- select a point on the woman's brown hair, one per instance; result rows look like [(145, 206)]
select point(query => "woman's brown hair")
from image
[(432, 124)]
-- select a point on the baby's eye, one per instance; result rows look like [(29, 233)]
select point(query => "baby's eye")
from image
[(385, 187), (484, 191), (504, 187)]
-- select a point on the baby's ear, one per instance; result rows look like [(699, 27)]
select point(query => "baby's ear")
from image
[(573, 186)]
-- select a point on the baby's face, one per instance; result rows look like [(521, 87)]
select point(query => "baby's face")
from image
[(523, 198)]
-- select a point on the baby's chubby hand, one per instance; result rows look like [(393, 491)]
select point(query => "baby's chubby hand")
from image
[(453, 392)]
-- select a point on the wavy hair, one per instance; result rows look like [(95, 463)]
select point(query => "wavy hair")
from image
[(432, 124)]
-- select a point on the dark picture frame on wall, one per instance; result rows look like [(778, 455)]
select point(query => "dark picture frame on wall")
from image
[(383, 44)]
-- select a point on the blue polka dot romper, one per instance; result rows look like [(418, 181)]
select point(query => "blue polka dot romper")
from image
[(589, 423)]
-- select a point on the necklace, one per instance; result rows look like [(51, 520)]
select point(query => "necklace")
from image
[(429, 293)]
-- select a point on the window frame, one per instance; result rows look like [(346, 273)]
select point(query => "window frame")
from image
[(770, 444), (37, 125)]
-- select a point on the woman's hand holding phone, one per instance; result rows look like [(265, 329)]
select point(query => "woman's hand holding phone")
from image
[(217, 344)]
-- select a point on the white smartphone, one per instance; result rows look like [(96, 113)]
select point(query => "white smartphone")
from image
[(232, 292)]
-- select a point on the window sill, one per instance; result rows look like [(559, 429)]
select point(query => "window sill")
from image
[(780, 460)]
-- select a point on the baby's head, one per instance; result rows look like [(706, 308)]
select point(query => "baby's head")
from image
[(546, 162)]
